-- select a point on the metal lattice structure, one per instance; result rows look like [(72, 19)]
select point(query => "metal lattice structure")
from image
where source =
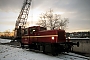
[(23, 16), (22, 20)]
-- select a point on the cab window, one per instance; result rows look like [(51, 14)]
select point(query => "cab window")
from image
[(42, 28), (26, 31), (32, 30)]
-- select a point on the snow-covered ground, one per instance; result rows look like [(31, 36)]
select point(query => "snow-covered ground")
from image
[(4, 40), (10, 53)]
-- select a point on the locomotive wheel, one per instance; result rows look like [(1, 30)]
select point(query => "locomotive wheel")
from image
[(54, 51), (54, 54), (22, 45), (71, 49), (44, 50)]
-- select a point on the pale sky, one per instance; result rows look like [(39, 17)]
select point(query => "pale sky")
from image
[(78, 12)]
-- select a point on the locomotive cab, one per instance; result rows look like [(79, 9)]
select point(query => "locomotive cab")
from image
[(30, 33)]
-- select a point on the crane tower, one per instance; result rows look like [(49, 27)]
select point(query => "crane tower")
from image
[(22, 18)]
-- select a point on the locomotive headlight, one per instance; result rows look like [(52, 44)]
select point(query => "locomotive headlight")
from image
[(33, 30), (52, 38)]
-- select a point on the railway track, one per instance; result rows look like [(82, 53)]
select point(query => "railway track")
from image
[(72, 56)]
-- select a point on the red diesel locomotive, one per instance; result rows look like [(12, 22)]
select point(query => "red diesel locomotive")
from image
[(48, 41)]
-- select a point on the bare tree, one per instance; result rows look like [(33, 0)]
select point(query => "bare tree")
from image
[(42, 22), (52, 21)]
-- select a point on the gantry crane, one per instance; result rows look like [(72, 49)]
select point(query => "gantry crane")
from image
[(22, 19)]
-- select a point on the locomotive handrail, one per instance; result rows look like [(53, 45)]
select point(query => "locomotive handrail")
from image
[(78, 38)]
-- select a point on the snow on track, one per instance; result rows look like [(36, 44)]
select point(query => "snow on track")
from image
[(72, 56), (11, 53)]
